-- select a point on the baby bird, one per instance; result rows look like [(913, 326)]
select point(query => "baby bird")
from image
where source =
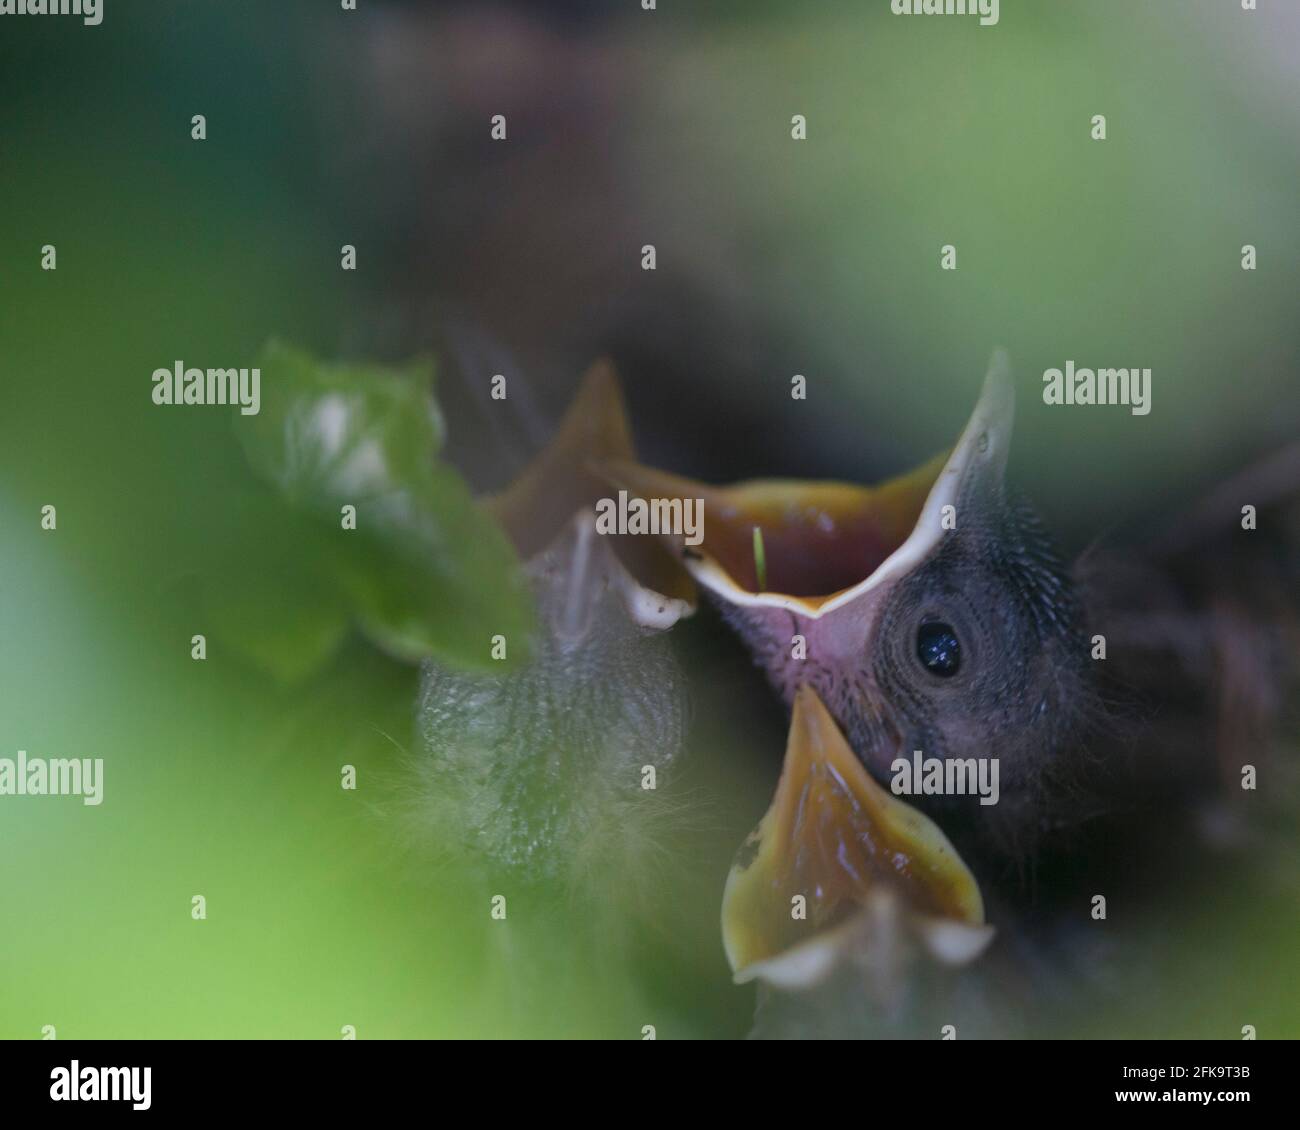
[(543, 768), (930, 613)]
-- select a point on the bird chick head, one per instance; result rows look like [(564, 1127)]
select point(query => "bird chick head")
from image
[(929, 613)]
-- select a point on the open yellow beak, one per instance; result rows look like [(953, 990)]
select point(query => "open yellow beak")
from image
[(821, 545), (560, 486), (831, 842), (818, 539)]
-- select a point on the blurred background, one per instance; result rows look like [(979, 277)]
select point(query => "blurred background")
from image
[(523, 258)]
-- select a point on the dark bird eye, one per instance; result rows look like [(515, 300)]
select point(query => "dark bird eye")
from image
[(938, 649)]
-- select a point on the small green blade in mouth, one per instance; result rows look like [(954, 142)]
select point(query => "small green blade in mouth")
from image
[(825, 544), (805, 540)]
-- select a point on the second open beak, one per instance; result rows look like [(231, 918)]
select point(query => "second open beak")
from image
[(550, 503), (832, 842)]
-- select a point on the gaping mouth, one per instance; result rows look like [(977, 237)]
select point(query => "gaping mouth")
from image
[(832, 841), (812, 546), (551, 500), (796, 538)]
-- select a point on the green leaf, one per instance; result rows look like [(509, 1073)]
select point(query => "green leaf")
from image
[(326, 432), (425, 571)]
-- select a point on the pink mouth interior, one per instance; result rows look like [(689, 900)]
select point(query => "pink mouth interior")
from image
[(808, 553)]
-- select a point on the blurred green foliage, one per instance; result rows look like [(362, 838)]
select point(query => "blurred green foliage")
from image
[(415, 562), (223, 782)]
